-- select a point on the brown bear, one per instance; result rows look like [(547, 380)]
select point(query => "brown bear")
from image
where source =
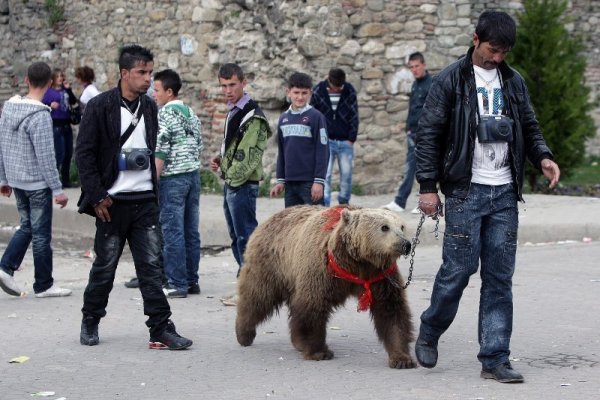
[(312, 259)]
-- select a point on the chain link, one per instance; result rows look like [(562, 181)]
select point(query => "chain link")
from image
[(416, 240)]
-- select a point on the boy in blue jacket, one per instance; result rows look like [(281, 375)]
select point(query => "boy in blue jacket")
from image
[(303, 150)]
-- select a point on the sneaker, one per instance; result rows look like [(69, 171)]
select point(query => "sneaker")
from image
[(8, 284), (169, 339), (133, 283), (392, 206), (502, 373), (174, 293), (230, 300), (89, 331), (54, 291), (416, 210), (194, 289)]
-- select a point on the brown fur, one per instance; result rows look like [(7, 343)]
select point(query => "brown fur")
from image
[(286, 262)]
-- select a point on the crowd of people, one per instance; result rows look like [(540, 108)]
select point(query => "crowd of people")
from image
[(139, 156)]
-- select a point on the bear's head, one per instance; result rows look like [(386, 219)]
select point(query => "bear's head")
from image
[(373, 235)]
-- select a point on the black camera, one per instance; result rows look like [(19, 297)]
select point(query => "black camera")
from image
[(134, 159), (495, 128)]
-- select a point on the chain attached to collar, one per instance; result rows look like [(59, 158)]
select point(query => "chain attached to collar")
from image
[(416, 240)]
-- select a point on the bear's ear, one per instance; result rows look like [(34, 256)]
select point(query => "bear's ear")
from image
[(346, 216)]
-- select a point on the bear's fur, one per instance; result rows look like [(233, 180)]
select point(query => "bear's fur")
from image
[(286, 262)]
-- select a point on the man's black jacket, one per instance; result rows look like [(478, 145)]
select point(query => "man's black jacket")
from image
[(98, 146), (445, 138)]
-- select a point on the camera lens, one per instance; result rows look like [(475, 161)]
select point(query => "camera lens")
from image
[(140, 160), (504, 128)]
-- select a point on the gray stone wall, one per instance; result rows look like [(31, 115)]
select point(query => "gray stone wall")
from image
[(369, 39)]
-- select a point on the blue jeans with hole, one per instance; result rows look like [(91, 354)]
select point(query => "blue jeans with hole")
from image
[(35, 212), (179, 214), (410, 169), (239, 204), (481, 227), (343, 152)]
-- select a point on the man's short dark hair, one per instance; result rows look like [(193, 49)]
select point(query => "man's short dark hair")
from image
[(497, 28), (229, 70), (133, 54), (300, 80), (38, 74), (417, 56), (85, 74), (169, 80), (336, 77)]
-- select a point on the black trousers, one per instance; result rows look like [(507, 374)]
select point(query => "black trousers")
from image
[(136, 223)]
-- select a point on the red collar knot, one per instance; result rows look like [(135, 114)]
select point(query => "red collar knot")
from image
[(366, 299)]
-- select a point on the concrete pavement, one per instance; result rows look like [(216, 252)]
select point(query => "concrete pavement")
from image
[(555, 341)]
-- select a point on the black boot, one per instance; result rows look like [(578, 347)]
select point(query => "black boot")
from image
[(426, 352), (89, 331)]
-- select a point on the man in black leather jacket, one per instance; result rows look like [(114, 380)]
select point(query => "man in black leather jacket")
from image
[(480, 171)]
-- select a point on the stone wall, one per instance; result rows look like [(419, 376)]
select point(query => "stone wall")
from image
[(369, 39)]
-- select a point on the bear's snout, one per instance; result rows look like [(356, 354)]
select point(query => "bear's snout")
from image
[(405, 247)]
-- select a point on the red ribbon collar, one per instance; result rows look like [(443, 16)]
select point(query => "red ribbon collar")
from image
[(366, 299)]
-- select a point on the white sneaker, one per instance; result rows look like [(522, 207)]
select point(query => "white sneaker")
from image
[(393, 207), (8, 284), (54, 291), (416, 211), (230, 300)]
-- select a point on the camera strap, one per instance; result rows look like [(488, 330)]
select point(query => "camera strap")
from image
[(127, 134)]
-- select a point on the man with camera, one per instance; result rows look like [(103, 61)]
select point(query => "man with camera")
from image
[(115, 157), (475, 131)]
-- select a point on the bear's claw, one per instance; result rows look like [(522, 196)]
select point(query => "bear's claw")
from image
[(402, 363)]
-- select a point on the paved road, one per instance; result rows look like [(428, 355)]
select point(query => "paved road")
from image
[(555, 345)]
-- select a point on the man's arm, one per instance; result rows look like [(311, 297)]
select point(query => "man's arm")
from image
[(321, 150), (163, 140), (354, 117), (40, 133)]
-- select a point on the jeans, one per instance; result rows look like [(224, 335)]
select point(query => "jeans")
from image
[(343, 151), (63, 149), (481, 227), (409, 173), (298, 193), (35, 212), (179, 213), (239, 204), (136, 223)]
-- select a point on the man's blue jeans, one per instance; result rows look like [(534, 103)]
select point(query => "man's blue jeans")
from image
[(179, 213), (343, 152), (482, 226), (239, 204), (409, 173), (299, 193), (35, 212)]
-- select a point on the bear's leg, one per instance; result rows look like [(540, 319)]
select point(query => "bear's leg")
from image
[(258, 298), (308, 328), (393, 324)]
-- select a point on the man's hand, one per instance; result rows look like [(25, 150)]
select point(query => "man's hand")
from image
[(61, 199), (276, 190), (215, 163), (316, 192), (430, 204), (5, 190), (551, 171), (101, 209)]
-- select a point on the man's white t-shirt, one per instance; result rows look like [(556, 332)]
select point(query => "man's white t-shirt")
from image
[(491, 160)]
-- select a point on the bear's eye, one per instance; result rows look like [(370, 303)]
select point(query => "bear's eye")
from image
[(385, 228)]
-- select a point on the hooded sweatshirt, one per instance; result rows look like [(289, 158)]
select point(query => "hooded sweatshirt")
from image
[(179, 141), (27, 159)]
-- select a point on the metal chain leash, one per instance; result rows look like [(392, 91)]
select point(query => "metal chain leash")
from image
[(416, 240)]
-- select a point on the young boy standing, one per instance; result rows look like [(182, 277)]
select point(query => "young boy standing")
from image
[(28, 167), (303, 150), (178, 148)]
